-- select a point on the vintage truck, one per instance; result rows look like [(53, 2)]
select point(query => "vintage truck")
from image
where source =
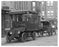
[(26, 24)]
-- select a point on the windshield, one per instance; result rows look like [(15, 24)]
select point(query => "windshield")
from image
[(30, 18)]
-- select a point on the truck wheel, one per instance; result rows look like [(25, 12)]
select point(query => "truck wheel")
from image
[(8, 39), (41, 33), (49, 33), (54, 32), (23, 37), (34, 35)]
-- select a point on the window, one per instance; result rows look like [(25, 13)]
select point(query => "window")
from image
[(52, 14), (33, 9), (48, 14), (19, 17), (42, 3), (51, 11), (48, 11), (24, 17), (33, 4), (51, 3), (43, 13), (48, 3), (49, 17)]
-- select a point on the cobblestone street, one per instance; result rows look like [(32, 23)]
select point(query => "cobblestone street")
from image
[(40, 41)]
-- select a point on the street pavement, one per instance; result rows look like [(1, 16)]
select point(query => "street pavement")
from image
[(40, 41)]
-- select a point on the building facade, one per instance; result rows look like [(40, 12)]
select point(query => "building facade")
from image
[(49, 9), (18, 5)]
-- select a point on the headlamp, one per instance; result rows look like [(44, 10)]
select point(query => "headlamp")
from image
[(18, 32), (53, 26), (10, 32), (45, 31)]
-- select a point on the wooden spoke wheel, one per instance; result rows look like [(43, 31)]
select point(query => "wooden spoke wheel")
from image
[(23, 37), (49, 32), (34, 35), (8, 39), (41, 33), (53, 32)]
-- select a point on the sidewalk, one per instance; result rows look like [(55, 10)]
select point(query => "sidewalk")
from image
[(3, 40)]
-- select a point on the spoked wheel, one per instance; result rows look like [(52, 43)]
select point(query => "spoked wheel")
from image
[(23, 37), (49, 33), (41, 33), (34, 35), (53, 32), (8, 39)]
